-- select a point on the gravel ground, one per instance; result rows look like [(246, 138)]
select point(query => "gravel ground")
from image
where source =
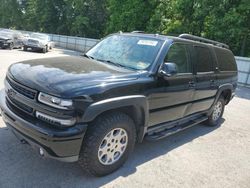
[(197, 157)]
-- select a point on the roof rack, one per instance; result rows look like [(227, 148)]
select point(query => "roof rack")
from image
[(201, 39)]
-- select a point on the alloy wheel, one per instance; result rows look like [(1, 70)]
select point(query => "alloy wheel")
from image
[(113, 146), (217, 111)]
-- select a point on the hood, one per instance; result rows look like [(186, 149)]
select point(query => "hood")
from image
[(4, 38), (36, 39), (62, 75)]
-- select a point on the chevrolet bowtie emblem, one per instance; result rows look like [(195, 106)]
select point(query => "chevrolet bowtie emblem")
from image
[(11, 93)]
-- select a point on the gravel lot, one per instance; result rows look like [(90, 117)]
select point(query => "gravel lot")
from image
[(198, 157)]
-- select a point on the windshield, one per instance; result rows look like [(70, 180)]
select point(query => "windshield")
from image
[(128, 51), (5, 34), (39, 36)]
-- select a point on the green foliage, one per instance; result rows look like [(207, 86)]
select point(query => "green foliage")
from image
[(129, 15), (227, 21), (10, 14), (88, 17), (70, 17)]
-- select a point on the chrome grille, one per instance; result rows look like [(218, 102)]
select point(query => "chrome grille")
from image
[(33, 41), (21, 106), (27, 92)]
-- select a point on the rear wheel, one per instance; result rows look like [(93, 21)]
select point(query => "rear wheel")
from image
[(25, 48), (107, 144), (217, 112)]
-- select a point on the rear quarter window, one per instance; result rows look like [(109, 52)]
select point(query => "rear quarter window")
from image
[(203, 59), (225, 59)]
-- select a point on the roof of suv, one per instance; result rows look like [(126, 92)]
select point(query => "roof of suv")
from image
[(183, 37)]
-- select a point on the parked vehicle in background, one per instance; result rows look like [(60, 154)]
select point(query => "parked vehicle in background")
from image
[(25, 37), (38, 42), (128, 87), (10, 39)]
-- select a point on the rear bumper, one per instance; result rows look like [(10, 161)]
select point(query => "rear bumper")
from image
[(59, 144)]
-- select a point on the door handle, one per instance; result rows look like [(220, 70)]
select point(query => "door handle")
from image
[(191, 84)]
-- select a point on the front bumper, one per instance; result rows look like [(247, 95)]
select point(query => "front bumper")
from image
[(4, 44), (34, 47), (59, 144)]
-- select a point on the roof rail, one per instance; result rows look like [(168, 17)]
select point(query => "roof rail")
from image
[(137, 32), (201, 39)]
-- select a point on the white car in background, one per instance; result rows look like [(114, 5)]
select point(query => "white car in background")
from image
[(38, 42)]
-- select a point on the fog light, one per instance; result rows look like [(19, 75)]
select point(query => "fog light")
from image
[(41, 152), (57, 121)]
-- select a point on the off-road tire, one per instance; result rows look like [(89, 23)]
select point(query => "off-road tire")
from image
[(96, 131), (211, 122)]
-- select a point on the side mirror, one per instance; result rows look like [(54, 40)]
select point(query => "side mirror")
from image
[(168, 69)]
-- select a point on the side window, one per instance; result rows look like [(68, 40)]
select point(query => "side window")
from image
[(178, 54), (225, 60), (203, 59)]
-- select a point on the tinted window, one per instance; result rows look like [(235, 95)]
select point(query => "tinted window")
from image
[(225, 60), (203, 59), (178, 54)]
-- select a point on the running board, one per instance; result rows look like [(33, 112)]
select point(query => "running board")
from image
[(152, 136)]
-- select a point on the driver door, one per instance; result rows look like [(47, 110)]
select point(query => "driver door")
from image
[(174, 94)]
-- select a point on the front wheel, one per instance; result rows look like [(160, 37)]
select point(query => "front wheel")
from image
[(11, 46), (107, 144), (217, 112), (45, 49)]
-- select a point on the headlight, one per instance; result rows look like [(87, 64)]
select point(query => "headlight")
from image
[(41, 44), (8, 40), (55, 101)]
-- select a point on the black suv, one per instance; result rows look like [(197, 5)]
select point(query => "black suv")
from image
[(128, 87)]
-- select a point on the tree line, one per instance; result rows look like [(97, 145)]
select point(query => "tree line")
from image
[(227, 21)]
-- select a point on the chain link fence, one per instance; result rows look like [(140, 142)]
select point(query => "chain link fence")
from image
[(243, 65), (73, 43), (69, 42)]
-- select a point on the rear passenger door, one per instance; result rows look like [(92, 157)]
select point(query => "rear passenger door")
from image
[(205, 85)]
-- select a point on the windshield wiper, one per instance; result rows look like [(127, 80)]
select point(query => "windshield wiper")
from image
[(87, 56), (114, 63), (110, 62)]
